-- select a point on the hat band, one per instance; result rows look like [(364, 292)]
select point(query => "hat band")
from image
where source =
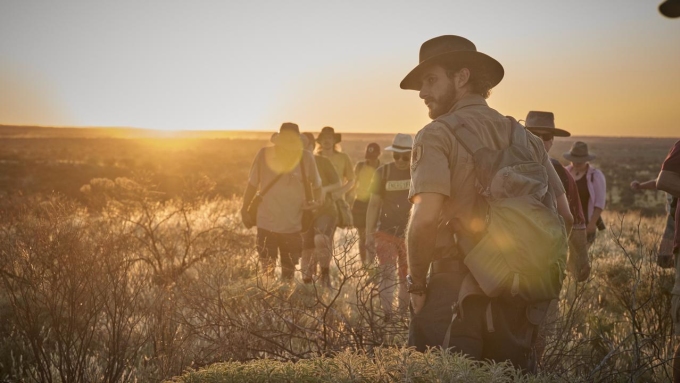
[(402, 147)]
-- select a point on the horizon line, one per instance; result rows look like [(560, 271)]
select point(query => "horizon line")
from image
[(171, 131)]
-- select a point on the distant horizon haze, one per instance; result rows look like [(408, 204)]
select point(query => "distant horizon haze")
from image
[(608, 68), (198, 131)]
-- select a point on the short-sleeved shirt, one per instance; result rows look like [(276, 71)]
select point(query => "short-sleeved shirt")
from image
[(328, 177), (439, 164), (364, 175), (672, 164), (281, 207), (343, 165), (392, 185), (571, 190)]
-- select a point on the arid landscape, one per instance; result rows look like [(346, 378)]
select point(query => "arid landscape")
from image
[(124, 259), (62, 160)]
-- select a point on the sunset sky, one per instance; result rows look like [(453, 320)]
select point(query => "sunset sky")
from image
[(605, 67)]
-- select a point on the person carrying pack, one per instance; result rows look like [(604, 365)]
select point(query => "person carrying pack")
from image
[(281, 173), (488, 229)]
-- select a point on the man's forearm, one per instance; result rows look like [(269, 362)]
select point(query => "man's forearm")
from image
[(346, 187), (648, 185), (420, 238), (372, 212)]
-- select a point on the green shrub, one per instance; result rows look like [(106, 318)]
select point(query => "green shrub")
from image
[(386, 365)]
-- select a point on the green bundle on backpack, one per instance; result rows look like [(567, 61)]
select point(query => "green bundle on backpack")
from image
[(524, 248)]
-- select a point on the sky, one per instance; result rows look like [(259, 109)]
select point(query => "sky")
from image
[(605, 68)]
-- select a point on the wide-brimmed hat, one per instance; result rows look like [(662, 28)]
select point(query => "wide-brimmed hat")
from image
[(288, 134), (327, 130), (402, 143), (579, 153), (542, 123), (372, 151), (670, 8), (453, 49)]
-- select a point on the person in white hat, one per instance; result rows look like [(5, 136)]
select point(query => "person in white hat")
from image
[(386, 220)]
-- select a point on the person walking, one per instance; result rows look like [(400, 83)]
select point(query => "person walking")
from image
[(668, 180), (317, 241), (592, 187), (361, 193), (274, 198), (542, 124), (664, 256), (329, 147), (386, 219), (448, 308)]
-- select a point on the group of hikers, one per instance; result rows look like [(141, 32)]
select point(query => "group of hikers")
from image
[(471, 222)]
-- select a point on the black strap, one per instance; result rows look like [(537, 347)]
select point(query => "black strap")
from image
[(264, 191), (305, 184)]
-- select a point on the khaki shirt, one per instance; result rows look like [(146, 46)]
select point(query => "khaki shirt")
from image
[(343, 165), (281, 208), (440, 165)]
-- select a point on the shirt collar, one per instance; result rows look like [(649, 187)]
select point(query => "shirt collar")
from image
[(469, 100)]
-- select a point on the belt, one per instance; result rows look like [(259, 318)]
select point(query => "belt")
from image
[(447, 265)]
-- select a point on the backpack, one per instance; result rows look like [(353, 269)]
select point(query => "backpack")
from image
[(524, 247)]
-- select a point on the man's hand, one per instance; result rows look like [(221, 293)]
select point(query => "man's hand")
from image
[(312, 205), (635, 185), (370, 243), (417, 302), (583, 273), (591, 228), (245, 218)]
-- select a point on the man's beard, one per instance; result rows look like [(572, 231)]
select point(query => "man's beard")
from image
[(444, 103)]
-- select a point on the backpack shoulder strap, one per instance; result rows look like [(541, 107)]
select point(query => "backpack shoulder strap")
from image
[(468, 140), (264, 190), (518, 135), (305, 183)]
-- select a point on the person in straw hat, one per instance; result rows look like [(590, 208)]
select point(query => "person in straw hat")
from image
[(317, 241), (277, 180), (361, 194), (454, 79), (329, 146), (386, 219), (542, 124), (591, 184)]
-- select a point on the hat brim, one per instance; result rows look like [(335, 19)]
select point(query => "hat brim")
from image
[(476, 60), (337, 137), (577, 160), (670, 8), (275, 139), (397, 150), (545, 130)]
